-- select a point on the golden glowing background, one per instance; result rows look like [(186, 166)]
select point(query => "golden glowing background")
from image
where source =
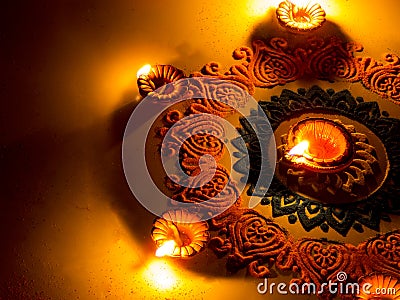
[(70, 227)]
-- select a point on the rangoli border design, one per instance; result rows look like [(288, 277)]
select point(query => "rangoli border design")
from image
[(250, 240), (275, 62)]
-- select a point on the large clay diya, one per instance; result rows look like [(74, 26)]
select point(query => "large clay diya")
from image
[(323, 159)]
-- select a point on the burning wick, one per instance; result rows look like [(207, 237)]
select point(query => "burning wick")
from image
[(300, 16), (299, 149), (166, 249), (179, 233), (143, 71)]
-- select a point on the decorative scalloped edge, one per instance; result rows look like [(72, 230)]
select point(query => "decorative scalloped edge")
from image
[(252, 241), (275, 62), (267, 65)]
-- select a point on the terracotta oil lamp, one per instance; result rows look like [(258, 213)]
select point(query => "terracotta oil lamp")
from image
[(319, 145), (300, 16), (179, 234)]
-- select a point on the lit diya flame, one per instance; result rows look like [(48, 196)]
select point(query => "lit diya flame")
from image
[(300, 15), (143, 71), (300, 149), (166, 248), (179, 234)]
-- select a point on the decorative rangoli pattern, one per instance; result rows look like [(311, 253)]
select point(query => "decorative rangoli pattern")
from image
[(312, 214), (276, 62), (252, 241), (220, 190), (247, 238)]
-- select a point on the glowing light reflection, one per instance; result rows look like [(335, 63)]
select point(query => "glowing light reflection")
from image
[(300, 148), (299, 2), (160, 275), (166, 248), (258, 8)]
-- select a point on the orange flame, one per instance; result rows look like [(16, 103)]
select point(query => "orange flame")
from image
[(300, 148), (145, 70), (167, 248)]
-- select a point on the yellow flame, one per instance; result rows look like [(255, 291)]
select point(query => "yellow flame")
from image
[(300, 148), (145, 70), (166, 248)]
